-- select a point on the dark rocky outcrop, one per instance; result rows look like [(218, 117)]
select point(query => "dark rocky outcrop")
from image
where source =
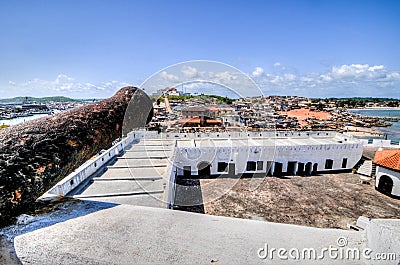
[(37, 154)]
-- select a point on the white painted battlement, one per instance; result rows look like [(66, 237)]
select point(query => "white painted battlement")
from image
[(264, 134), (379, 143)]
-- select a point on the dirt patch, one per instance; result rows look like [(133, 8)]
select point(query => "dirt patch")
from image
[(303, 114), (326, 201)]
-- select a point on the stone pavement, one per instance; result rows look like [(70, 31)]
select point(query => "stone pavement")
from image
[(127, 234)]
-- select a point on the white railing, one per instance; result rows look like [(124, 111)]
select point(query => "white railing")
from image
[(90, 167)]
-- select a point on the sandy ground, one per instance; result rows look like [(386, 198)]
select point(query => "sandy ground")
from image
[(303, 114), (326, 201)]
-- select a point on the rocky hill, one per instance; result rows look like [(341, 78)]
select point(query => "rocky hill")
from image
[(37, 154)]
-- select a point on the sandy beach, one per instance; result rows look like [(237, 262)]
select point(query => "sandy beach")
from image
[(363, 132)]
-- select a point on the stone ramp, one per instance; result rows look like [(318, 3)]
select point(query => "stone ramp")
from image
[(138, 177)]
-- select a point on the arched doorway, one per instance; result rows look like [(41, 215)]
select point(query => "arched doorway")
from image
[(308, 169), (300, 169), (385, 185), (204, 169), (291, 168), (315, 168)]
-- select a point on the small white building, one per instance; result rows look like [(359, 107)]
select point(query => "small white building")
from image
[(230, 120), (387, 178)]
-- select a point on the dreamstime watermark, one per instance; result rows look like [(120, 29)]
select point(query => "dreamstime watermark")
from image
[(339, 251), (203, 151)]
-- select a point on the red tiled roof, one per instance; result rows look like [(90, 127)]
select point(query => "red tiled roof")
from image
[(388, 158), (197, 121), (190, 120)]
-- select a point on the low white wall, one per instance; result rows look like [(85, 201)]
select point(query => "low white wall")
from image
[(379, 143), (267, 134), (383, 237), (90, 167)]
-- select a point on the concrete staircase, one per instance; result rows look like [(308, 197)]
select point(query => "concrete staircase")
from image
[(136, 178), (365, 168)]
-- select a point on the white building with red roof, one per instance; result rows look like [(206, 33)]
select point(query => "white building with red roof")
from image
[(388, 172)]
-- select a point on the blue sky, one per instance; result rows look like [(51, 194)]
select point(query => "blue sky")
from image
[(92, 48)]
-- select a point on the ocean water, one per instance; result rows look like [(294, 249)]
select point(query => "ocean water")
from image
[(21, 119), (392, 132)]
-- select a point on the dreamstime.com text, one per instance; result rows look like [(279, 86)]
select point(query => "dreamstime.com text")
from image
[(338, 252)]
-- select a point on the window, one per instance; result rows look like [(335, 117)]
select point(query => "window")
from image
[(344, 163), (260, 165), (222, 167), (251, 166), (329, 164)]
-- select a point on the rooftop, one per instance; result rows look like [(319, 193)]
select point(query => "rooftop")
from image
[(265, 141), (388, 158)]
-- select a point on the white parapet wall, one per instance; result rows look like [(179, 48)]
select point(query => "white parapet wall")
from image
[(379, 143), (91, 166), (383, 241), (289, 153), (265, 134)]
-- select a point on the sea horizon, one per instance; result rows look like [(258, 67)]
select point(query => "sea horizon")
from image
[(393, 131)]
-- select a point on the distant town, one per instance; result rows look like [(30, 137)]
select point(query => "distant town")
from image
[(178, 111), (175, 111)]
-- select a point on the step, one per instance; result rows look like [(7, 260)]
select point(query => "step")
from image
[(140, 162), (118, 187), (134, 172), (365, 168), (149, 200)]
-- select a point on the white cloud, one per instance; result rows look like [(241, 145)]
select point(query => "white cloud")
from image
[(277, 64), (224, 77), (359, 71), (258, 71), (62, 78), (344, 80), (325, 78), (289, 77), (169, 77), (189, 72), (65, 85)]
